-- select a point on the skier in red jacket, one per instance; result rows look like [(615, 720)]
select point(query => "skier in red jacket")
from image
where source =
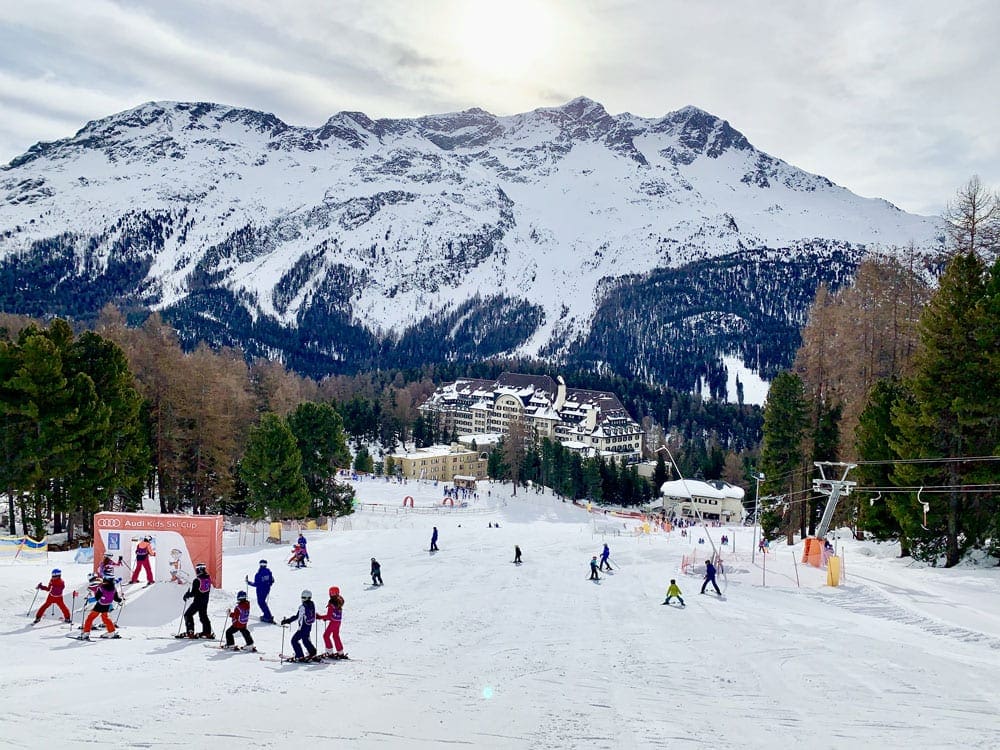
[(55, 588), (240, 616), (334, 615)]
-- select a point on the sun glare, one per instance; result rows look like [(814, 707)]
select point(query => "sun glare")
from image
[(506, 38)]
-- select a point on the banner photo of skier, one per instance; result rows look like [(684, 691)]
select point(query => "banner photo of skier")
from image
[(159, 547)]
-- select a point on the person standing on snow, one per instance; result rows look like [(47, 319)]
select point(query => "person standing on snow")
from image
[(143, 551), (593, 569), (201, 588), (306, 616), (376, 573), (605, 554), (55, 598), (672, 591), (262, 583), (434, 540), (302, 546), (106, 593), (710, 578), (334, 615), (240, 616), (517, 554)]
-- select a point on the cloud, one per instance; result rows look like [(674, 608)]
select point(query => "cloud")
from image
[(890, 100)]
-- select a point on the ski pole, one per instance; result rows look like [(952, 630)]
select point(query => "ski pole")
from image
[(32, 606), (284, 629), (222, 638), (72, 612), (120, 609), (180, 625)]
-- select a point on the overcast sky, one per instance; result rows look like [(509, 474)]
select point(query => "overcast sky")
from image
[(895, 99)]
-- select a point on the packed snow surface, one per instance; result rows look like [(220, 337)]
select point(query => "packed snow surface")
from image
[(464, 648)]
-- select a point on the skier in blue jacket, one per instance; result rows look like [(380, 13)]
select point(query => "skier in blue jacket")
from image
[(262, 582), (710, 578), (605, 554), (434, 540)]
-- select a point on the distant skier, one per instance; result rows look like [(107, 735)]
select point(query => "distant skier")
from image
[(334, 615), (262, 583), (672, 591), (106, 593), (55, 598), (302, 547), (143, 551), (376, 573), (593, 569), (710, 578), (434, 540), (605, 554), (240, 616), (517, 554), (201, 589), (298, 558), (305, 617)]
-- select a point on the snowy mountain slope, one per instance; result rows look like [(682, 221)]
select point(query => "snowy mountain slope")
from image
[(465, 648), (377, 227)]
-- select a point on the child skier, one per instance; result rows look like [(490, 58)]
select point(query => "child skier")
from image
[(672, 591), (302, 546), (106, 593), (55, 598), (376, 573), (262, 582), (334, 615), (201, 588), (710, 578), (593, 569), (298, 558), (305, 617), (143, 551), (240, 616)]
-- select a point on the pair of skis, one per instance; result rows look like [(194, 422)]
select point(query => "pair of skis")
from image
[(318, 659)]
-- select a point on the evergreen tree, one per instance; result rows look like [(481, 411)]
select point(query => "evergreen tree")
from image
[(953, 411), (785, 421), (271, 469), (363, 461), (319, 434)]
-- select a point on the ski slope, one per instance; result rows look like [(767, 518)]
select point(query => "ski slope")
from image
[(463, 648)]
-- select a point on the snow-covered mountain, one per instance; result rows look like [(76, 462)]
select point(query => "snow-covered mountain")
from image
[(562, 232)]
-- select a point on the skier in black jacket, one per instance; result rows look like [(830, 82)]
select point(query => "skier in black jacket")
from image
[(201, 588), (376, 573)]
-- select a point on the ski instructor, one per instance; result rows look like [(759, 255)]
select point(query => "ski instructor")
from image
[(262, 582)]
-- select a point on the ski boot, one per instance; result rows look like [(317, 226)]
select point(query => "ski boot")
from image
[(113, 635)]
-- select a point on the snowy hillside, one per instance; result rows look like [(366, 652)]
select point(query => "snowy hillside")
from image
[(248, 229), (464, 648)]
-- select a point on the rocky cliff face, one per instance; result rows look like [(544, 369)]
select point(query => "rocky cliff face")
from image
[(648, 247)]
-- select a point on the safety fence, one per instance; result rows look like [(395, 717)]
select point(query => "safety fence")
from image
[(448, 510), (23, 548)]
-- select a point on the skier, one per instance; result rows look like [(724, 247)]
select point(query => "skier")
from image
[(108, 565), (376, 573), (672, 591), (262, 582), (240, 616), (334, 615), (201, 588), (298, 558), (302, 546), (106, 593), (55, 598), (143, 551), (710, 578), (434, 540), (605, 554), (306, 616), (517, 554), (593, 569)]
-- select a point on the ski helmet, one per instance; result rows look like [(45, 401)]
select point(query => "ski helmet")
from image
[(147, 539), (240, 596), (93, 577), (334, 591), (56, 572), (107, 556), (109, 577), (263, 562), (307, 594), (200, 567)]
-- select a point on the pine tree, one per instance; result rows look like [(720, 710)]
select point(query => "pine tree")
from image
[(781, 457), (319, 433), (953, 410), (272, 471)]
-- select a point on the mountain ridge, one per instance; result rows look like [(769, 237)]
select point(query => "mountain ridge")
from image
[(372, 233)]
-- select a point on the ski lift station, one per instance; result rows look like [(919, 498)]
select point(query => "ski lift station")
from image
[(694, 498)]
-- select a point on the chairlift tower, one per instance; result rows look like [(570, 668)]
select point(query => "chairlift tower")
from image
[(833, 488)]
